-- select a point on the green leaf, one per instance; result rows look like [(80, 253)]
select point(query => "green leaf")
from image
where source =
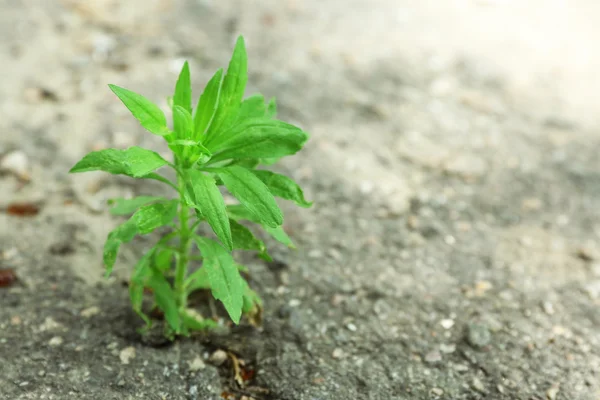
[(240, 213), (279, 234), (134, 161), (225, 281), (271, 108), (252, 107), (232, 92), (128, 206), (147, 113), (197, 280), (138, 282), (257, 138), (183, 89), (153, 216), (207, 104), (121, 234), (157, 177), (164, 296), (182, 121), (163, 259), (243, 239), (282, 186), (253, 194), (209, 201)]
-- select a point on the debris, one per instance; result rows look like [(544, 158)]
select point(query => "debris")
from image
[(482, 287), (7, 277), (127, 354), (586, 253), (22, 209), (39, 94)]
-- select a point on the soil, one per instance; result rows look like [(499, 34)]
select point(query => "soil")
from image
[(453, 249)]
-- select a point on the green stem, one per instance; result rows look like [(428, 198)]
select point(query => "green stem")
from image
[(184, 246)]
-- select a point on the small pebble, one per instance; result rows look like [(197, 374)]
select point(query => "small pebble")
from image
[(548, 307), (56, 341), (433, 357), (16, 163), (197, 364), (294, 303), (437, 392), (127, 354), (552, 392), (447, 323), (478, 335), (315, 253), (337, 353), (89, 312), (478, 385), (218, 358), (351, 327), (447, 348)]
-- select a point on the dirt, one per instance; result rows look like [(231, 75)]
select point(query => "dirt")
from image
[(453, 249)]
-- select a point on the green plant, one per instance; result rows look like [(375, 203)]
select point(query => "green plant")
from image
[(219, 144)]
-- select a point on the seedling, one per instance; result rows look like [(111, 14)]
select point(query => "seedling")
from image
[(220, 143)]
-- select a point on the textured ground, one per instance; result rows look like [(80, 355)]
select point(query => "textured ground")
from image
[(453, 249)]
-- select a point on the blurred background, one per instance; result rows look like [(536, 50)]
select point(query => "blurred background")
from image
[(454, 162)]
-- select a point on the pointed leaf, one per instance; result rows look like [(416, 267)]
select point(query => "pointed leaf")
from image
[(257, 138), (128, 206), (164, 296), (153, 216), (240, 213), (182, 121), (208, 200), (122, 234), (157, 177), (207, 104), (137, 283), (282, 186), (147, 113), (134, 161), (234, 85), (243, 239), (225, 281), (253, 194), (279, 234), (183, 89)]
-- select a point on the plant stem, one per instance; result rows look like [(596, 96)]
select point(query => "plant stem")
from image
[(184, 246)]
